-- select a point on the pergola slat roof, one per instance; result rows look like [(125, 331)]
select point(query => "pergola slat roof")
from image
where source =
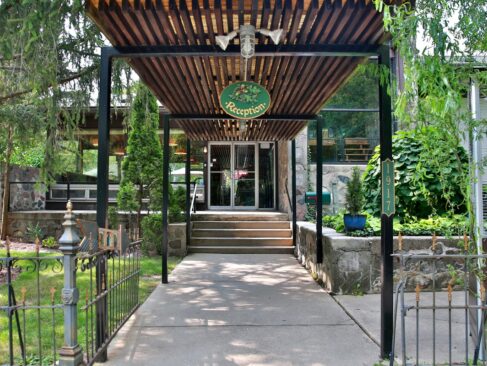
[(191, 85)]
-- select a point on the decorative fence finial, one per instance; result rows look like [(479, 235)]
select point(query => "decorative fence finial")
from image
[(418, 290), (70, 238), (450, 292), (69, 206), (465, 242)]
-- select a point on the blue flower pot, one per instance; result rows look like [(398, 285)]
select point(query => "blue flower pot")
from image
[(354, 222)]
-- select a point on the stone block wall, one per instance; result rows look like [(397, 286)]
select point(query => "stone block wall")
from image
[(27, 195), (353, 264), (335, 178), (51, 224)]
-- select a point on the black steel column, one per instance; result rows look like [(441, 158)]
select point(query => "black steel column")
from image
[(102, 191), (188, 191), (387, 292), (319, 189), (293, 188), (165, 197), (103, 137), (276, 170)]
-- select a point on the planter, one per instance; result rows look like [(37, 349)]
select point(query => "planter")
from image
[(354, 222)]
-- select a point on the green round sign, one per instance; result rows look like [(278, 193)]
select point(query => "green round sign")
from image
[(245, 100)]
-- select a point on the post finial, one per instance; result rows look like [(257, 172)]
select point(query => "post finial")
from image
[(69, 206)]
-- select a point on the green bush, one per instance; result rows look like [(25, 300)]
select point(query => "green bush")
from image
[(177, 205), (152, 238), (34, 232), (152, 228), (441, 225), (354, 197), (424, 187), (50, 242)]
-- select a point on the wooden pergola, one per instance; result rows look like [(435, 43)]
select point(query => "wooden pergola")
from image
[(172, 47)]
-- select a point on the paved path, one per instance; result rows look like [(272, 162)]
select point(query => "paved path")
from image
[(241, 310)]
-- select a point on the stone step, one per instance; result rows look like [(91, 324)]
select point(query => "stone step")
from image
[(242, 233), (217, 242), (242, 249), (241, 225), (240, 216)]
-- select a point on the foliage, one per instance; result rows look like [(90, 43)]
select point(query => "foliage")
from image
[(142, 167), (34, 232), (177, 205), (112, 215), (152, 229), (127, 197), (152, 239), (441, 225), (436, 74), (354, 196), (50, 242), (424, 186)]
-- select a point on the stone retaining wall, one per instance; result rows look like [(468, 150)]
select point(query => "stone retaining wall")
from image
[(51, 224), (353, 265)]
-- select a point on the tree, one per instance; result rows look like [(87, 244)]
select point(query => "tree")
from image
[(49, 58), (142, 167), (436, 76)]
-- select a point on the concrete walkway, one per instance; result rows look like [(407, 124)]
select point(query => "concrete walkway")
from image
[(241, 310)]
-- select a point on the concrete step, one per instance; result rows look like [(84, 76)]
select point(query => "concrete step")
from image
[(217, 242), (242, 233), (240, 216), (242, 249), (241, 225)]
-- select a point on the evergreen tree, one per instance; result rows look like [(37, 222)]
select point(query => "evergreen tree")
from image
[(142, 167)]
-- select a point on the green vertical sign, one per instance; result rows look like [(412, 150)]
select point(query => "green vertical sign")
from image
[(388, 189)]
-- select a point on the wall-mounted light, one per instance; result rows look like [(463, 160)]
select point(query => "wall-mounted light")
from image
[(205, 150), (247, 39)]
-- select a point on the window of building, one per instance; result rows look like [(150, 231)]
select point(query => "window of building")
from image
[(350, 121)]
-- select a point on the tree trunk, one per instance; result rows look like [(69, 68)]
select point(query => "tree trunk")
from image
[(6, 184)]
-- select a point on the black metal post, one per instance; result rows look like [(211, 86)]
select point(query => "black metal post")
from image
[(165, 198), (387, 291), (102, 188), (188, 192), (319, 189), (276, 178), (293, 189)]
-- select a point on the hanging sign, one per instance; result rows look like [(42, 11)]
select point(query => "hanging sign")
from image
[(388, 189), (245, 100)]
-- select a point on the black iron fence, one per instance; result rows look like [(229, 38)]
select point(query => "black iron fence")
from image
[(442, 306), (49, 302)]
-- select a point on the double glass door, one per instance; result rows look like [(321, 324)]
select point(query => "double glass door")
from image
[(233, 175)]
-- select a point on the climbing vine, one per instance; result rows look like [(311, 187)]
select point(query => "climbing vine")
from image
[(439, 41)]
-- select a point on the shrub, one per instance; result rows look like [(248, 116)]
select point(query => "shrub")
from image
[(424, 187), (152, 238), (354, 197), (50, 242), (441, 225), (34, 232)]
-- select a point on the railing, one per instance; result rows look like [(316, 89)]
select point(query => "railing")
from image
[(452, 290), (110, 298), (28, 311), (98, 292), (193, 198)]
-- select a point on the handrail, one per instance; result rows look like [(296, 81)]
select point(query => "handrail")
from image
[(193, 199), (288, 197)]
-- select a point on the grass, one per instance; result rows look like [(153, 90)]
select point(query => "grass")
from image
[(52, 277)]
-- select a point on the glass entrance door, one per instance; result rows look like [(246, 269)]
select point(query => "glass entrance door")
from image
[(233, 176)]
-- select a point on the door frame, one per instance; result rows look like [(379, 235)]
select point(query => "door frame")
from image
[(232, 206)]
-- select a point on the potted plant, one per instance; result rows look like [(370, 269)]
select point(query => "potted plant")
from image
[(354, 198)]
